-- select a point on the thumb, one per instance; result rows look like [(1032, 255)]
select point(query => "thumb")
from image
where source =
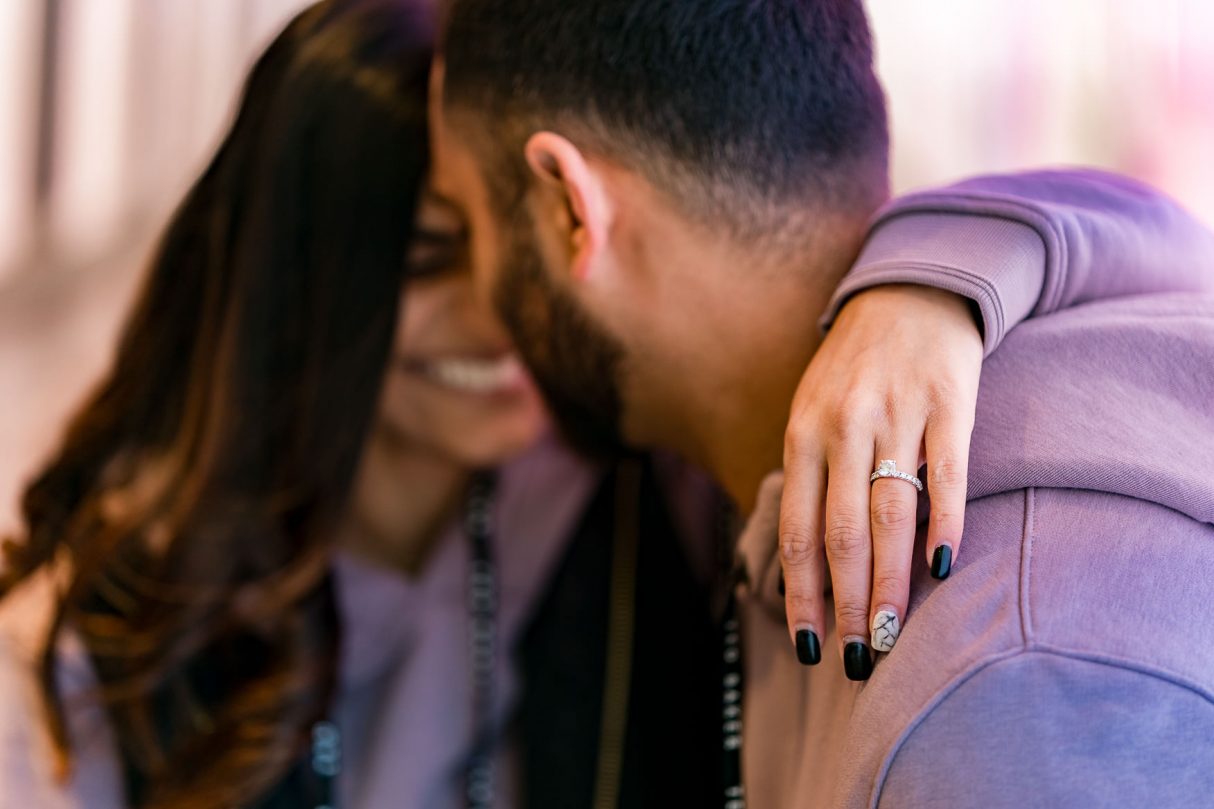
[(759, 544)]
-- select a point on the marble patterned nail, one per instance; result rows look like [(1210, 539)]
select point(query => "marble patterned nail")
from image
[(885, 630)]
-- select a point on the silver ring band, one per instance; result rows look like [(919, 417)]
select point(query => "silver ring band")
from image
[(889, 469)]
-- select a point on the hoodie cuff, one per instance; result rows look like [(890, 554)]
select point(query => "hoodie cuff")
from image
[(998, 263)]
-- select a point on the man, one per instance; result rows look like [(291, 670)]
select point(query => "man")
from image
[(663, 198)]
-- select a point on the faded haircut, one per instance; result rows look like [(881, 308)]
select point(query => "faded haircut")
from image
[(747, 113)]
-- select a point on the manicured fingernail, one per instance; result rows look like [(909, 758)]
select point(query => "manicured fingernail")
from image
[(809, 651), (780, 586), (942, 561), (885, 630), (857, 663)]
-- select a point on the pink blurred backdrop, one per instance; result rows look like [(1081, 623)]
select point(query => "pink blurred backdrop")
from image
[(109, 107)]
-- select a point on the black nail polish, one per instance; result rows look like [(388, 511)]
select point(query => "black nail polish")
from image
[(809, 652), (780, 586), (942, 562), (857, 662)]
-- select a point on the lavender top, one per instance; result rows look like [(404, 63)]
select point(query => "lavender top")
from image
[(1067, 661), (1025, 245), (1017, 245)]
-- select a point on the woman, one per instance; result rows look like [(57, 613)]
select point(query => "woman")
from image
[(195, 499), (178, 631), (249, 572)]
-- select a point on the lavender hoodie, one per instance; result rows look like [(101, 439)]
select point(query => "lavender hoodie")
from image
[(1068, 661), (1016, 245)]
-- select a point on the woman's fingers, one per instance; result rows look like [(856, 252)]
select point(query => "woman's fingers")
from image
[(895, 354), (947, 439), (849, 551), (894, 502), (801, 556)]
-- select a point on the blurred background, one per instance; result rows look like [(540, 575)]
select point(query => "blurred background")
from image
[(109, 108)]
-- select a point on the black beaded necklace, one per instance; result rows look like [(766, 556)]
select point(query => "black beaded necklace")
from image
[(482, 639), (733, 791), (482, 602), (483, 593)]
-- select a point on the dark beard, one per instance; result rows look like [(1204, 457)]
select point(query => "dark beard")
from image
[(574, 361)]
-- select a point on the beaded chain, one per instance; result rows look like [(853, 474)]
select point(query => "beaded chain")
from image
[(482, 613), (483, 641)]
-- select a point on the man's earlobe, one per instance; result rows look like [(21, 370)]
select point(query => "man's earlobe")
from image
[(560, 164)]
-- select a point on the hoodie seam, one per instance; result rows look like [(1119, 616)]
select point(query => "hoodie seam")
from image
[(1029, 532)]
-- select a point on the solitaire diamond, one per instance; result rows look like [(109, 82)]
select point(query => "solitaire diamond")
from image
[(888, 469)]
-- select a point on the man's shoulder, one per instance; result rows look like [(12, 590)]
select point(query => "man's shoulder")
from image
[(1076, 572), (1108, 396), (1068, 611), (1099, 329), (1049, 729), (1084, 598)]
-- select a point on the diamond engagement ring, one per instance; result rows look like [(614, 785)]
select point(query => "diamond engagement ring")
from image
[(889, 469)]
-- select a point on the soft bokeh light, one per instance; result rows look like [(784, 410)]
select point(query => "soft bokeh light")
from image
[(998, 86), (18, 111)]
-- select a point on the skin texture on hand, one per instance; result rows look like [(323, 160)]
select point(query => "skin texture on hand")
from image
[(896, 378)]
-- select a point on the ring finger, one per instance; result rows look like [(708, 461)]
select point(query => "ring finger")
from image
[(893, 504)]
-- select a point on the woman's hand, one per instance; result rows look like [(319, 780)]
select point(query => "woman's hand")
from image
[(896, 378)]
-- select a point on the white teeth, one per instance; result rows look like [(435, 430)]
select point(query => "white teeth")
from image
[(476, 376)]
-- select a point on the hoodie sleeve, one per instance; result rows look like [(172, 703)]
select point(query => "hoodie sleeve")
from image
[(1024, 245)]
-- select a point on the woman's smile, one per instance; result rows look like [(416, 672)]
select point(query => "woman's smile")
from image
[(471, 374)]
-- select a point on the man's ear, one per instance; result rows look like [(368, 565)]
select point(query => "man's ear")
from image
[(563, 168)]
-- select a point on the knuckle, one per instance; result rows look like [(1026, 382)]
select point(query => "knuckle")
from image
[(947, 473), (942, 396), (797, 540), (892, 514), (802, 429), (942, 518), (852, 613), (851, 420), (845, 540), (800, 440), (889, 584), (800, 602)]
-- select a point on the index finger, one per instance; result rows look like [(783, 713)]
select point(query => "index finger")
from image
[(801, 551)]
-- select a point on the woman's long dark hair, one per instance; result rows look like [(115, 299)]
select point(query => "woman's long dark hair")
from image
[(194, 499)]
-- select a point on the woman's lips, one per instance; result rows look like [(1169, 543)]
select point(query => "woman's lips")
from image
[(480, 376)]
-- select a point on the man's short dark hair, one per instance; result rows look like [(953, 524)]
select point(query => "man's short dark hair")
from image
[(742, 110)]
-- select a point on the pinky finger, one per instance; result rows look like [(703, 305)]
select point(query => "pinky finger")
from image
[(947, 440)]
